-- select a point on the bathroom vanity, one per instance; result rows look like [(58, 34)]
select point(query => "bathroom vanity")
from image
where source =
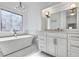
[(60, 44), (53, 43), (60, 30)]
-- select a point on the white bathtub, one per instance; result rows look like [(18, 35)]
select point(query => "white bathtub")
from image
[(11, 44)]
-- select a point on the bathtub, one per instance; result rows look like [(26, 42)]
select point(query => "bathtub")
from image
[(12, 44)]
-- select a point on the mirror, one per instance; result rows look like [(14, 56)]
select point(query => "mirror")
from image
[(71, 18), (54, 21), (61, 19)]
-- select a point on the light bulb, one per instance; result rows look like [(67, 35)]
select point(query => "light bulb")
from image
[(46, 13), (73, 6), (72, 14)]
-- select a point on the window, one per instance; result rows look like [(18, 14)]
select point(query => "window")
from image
[(10, 21)]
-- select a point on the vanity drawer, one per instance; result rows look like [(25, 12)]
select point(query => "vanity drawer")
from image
[(74, 43), (41, 34), (58, 35), (42, 40), (42, 43), (75, 36), (42, 47), (74, 55), (75, 49)]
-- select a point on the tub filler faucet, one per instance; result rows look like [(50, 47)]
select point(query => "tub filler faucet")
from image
[(14, 31)]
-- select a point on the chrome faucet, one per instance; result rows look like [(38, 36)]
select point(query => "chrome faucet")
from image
[(14, 32)]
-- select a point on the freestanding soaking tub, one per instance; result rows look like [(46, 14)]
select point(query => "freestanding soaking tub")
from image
[(12, 44)]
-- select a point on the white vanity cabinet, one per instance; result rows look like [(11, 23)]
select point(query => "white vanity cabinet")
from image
[(73, 45), (61, 47), (62, 29), (54, 44), (51, 48), (42, 41)]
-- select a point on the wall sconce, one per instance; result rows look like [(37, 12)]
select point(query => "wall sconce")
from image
[(47, 14), (73, 9)]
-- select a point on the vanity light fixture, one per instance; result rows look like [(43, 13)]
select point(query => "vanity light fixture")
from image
[(73, 9), (73, 6), (47, 14), (20, 7)]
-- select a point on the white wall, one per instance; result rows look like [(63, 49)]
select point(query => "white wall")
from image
[(32, 15), (34, 18)]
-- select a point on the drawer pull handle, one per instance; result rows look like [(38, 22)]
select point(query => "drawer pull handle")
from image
[(75, 46)]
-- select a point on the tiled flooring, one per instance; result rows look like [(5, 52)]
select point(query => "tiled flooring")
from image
[(31, 51), (39, 54), (25, 52)]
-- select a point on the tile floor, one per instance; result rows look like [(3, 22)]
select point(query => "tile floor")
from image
[(25, 52), (31, 51), (39, 54)]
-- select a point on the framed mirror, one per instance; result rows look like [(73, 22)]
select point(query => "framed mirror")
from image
[(62, 19), (54, 21), (71, 18)]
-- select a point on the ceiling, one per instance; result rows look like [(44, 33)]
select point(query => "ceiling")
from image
[(27, 4)]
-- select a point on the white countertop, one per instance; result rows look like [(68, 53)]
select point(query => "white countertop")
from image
[(65, 31)]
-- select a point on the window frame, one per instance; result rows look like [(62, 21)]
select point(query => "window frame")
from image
[(12, 13)]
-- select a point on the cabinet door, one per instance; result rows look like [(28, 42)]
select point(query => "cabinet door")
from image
[(51, 46), (42, 44), (73, 47), (61, 48), (42, 41)]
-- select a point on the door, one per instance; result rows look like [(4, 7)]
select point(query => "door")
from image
[(61, 47), (51, 46)]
